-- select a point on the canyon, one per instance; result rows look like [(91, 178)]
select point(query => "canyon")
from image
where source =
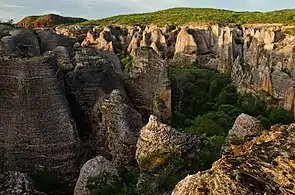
[(83, 101)]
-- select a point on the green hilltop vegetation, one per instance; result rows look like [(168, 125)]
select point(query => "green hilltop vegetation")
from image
[(201, 15)]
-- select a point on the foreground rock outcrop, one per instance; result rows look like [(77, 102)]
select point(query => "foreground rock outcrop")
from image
[(92, 80), (158, 147), (264, 165)]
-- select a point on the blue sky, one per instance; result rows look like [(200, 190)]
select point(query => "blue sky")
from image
[(94, 9)]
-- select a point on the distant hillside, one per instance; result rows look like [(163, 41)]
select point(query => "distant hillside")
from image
[(202, 15), (47, 21)]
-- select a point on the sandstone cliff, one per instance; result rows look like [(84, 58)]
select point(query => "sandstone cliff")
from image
[(260, 58)]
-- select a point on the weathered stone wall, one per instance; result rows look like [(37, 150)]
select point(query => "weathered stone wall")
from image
[(36, 128)]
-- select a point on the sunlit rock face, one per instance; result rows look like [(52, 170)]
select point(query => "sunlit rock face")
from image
[(264, 165)]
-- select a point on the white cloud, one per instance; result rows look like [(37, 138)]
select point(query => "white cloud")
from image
[(3, 5)]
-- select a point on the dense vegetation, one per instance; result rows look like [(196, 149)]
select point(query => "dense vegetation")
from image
[(210, 104), (204, 101), (202, 15)]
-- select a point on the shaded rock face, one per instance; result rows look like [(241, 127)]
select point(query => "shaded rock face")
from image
[(244, 127), (16, 183), (264, 165), (64, 61), (123, 125), (47, 21), (20, 43), (148, 82), (87, 85), (49, 41), (37, 129), (90, 169)]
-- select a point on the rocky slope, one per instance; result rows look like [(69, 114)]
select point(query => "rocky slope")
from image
[(264, 165), (47, 21)]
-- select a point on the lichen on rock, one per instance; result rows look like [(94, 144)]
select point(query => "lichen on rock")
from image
[(264, 165)]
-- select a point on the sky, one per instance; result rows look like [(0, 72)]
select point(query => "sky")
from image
[(95, 9)]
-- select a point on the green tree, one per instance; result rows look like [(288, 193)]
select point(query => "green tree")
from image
[(204, 125), (228, 96), (251, 105), (280, 116)]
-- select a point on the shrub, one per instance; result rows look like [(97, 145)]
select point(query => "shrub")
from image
[(264, 122), (123, 184), (228, 96), (280, 116), (203, 124), (217, 84), (230, 110), (211, 151), (251, 105), (48, 181)]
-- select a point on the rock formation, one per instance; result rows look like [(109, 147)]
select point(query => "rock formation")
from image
[(93, 78), (264, 165), (161, 139), (148, 82), (75, 32), (258, 57), (49, 41), (16, 183), (123, 125), (19, 43), (244, 127), (36, 127), (90, 169), (47, 21), (157, 147)]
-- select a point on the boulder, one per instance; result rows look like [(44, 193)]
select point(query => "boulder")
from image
[(123, 125), (244, 127), (264, 165), (20, 43), (148, 81), (91, 169), (49, 41)]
